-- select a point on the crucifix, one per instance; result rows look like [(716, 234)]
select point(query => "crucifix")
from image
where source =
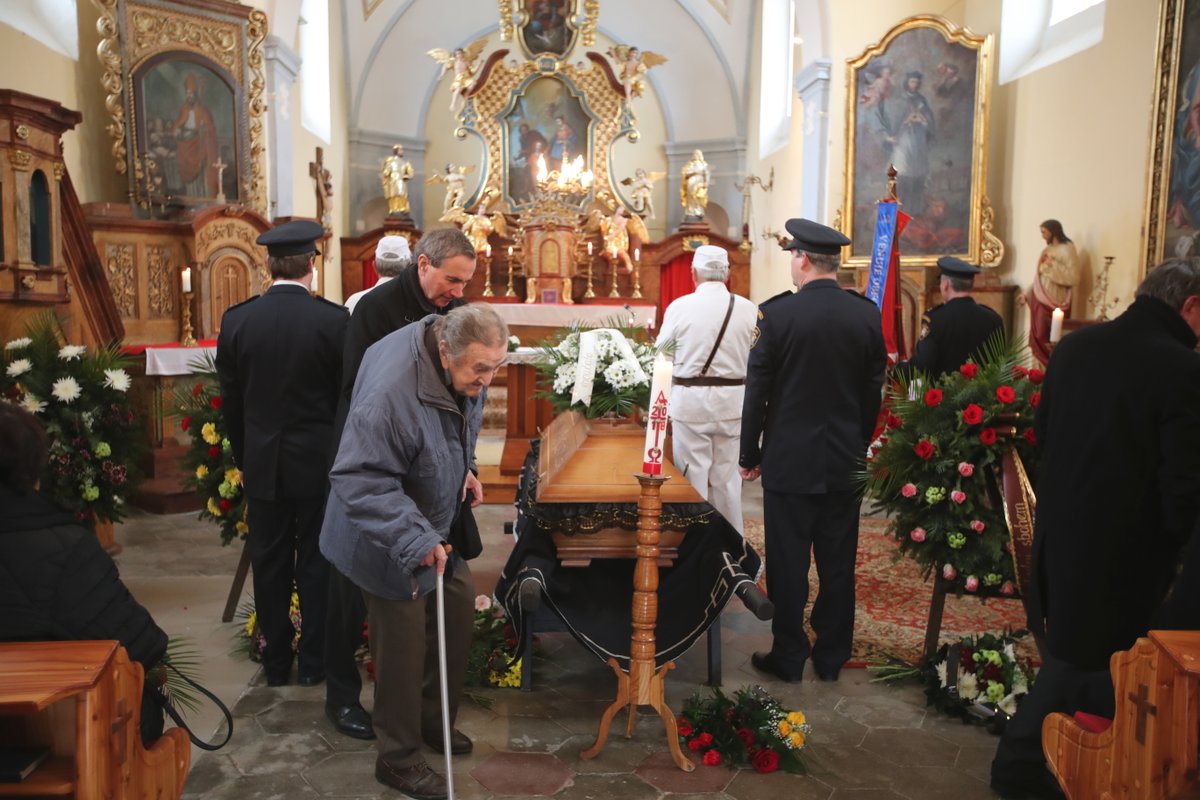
[(220, 166), (1144, 708), (323, 184)]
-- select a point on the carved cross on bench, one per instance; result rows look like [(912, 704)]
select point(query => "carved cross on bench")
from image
[(1144, 707)]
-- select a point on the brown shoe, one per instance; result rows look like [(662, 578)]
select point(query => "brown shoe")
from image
[(460, 744), (418, 781)]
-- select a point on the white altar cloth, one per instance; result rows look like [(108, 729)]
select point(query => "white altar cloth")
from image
[(560, 315)]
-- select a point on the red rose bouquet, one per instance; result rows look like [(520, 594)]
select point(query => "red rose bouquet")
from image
[(749, 729)]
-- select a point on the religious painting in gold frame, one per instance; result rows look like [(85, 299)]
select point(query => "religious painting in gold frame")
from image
[(1173, 184), (548, 27), (548, 121), (919, 99), (184, 82)]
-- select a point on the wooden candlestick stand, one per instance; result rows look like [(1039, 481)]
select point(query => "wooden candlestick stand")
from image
[(643, 686)]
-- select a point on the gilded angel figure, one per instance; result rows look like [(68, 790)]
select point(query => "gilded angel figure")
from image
[(463, 62), (632, 63), (615, 230), (642, 190), (478, 225), (455, 178)]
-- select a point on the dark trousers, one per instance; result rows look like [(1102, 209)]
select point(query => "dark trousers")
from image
[(1060, 686), (347, 614), (825, 527), (283, 552), (404, 647)]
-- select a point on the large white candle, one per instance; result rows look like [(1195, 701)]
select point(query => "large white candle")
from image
[(187, 279), (1056, 323), (316, 281), (656, 423), (589, 248)]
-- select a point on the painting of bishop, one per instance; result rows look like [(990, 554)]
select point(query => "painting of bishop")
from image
[(190, 129)]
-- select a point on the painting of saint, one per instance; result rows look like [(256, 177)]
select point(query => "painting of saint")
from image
[(915, 110), (546, 28), (546, 121), (188, 125), (1181, 236)]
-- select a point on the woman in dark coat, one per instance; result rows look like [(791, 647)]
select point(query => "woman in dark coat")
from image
[(56, 582)]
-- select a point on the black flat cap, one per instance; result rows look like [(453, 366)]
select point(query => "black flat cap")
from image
[(293, 238), (956, 267), (813, 237)]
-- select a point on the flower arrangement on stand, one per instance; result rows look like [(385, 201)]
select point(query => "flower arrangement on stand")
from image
[(209, 460), (749, 729), (929, 472), (599, 371), (81, 396)]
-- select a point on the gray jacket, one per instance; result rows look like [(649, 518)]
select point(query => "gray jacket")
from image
[(398, 477)]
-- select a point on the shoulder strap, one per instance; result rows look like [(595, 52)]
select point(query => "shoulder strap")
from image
[(720, 335), (178, 720)]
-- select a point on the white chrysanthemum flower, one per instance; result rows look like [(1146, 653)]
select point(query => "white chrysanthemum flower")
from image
[(89, 419), (19, 367), (968, 686), (33, 405), (16, 344), (621, 375), (569, 346), (1020, 685), (943, 678), (564, 378), (66, 390), (1009, 704), (117, 379), (71, 352)]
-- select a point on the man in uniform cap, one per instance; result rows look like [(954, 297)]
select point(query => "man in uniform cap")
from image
[(954, 331), (279, 360), (812, 394), (711, 328)]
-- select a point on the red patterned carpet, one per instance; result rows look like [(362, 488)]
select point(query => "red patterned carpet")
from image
[(893, 602)]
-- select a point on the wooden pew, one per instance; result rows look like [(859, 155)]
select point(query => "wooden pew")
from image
[(97, 751), (1150, 750)]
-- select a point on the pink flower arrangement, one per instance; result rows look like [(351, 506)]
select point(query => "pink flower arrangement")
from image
[(909, 490), (977, 525), (949, 572), (917, 534), (971, 584), (965, 469), (958, 496)]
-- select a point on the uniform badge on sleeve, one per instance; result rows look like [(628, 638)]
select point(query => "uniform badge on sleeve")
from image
[(754, 335), (924, 327)]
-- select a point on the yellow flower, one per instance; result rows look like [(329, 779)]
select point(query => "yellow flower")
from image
[(295, 605), (209, 433), (784, 727), (250, 622), (241, 527), (796, 739), (796, 717), (213, 508), (233, 476), (201, 471)]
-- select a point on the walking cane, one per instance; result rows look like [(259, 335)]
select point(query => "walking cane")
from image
[(441, 630)]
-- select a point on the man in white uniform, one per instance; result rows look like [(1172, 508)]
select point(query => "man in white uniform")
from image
[(712, 329), (391, 257)]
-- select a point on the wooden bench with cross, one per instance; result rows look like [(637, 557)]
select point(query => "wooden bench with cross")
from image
[(1150, 749)]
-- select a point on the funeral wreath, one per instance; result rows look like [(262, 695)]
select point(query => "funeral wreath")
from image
[(597, 371), (749, 729)]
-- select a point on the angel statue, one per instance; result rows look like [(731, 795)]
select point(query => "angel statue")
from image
[(455, 178), (631, 65), (396, 173), (463, 61), (478, 225), (616, 230), (693, 191), (642, 184)]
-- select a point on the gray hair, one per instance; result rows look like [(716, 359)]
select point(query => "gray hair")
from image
[(390, 267), (474, 323), (714, 270), (1173, 281), (824, 263), (438, 245)]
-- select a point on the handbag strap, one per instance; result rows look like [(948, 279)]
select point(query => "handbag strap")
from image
[(178, 720), (720, 336)]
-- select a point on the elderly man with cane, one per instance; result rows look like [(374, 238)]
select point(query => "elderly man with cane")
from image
[(396, 486)]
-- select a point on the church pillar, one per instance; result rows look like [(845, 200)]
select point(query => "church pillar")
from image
[(283, 64), (727, 162), (812, 87), (368, 149)]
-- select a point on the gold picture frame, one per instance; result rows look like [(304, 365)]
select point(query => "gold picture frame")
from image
[(184, 83), (1172, 223), (920, 99)]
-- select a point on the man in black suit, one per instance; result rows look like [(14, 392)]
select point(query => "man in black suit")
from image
[(955, 330), (1118, 491), (442, 266), (279, 360), (812, 394)]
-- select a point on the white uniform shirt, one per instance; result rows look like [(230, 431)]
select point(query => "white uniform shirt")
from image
[(694, 321), (353, 299)]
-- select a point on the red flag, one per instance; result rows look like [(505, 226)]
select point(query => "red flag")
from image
[(893, 318)]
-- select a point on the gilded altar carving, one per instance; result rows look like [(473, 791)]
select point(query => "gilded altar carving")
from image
[(122, 278), (20, 158), (60, 169), (109, 52), (23, 132), (155, 30), (161, 279)]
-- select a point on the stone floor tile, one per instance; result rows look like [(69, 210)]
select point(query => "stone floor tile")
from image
[(830, 729), (281, 786), (881, 712), (938, 783), (953, 729), (906, 748), (525, 734), (295, 716), (208, 773), (255, 702), (606, 787), (619, 754), (340, 742), (848, 768), (659, 770), (531, 774), (866, 794), (976, 760), (343, 774), (750, 785), (280, 753)]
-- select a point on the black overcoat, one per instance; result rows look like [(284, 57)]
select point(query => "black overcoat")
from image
[(950, 334)]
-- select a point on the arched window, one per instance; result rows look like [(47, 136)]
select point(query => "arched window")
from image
[(39, 219), (314, 68), (775, 79), (1038, 33)]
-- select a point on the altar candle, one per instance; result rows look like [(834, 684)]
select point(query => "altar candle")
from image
[(656, 424), (187, 279), (510, 252), (1056, 323), (488, 251), (637, 254), (316, 281), (589, 248)]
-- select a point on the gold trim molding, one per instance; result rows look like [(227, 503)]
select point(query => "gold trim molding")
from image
[(109, 52), (1171, 21), (20, 158)]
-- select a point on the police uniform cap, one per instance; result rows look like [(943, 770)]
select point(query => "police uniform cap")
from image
[(294, 238), (956, 267), (813, 237)]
